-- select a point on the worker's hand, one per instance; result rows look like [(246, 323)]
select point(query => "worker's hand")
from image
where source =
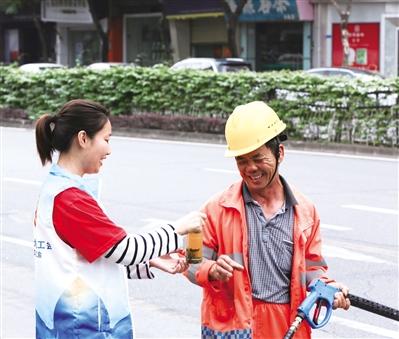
[(170, 263), (340, 299), (190, 223), (223, 268)]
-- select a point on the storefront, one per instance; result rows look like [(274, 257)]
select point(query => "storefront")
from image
[(277, 34), (279, 46), (390, 43), (77, 41), (373, 36), (145, 41), (197, 28), (20, 39)]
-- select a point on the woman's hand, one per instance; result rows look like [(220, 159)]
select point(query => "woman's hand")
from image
[(170, 263), (190, 223)]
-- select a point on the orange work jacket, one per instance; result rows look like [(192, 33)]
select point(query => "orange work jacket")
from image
[(227, 306)]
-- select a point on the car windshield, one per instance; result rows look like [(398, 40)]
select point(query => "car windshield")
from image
[(233, 67)]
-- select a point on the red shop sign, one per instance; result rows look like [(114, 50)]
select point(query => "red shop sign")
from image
[(364, 45)]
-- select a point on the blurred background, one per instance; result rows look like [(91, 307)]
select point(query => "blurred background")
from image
[(268, 34)]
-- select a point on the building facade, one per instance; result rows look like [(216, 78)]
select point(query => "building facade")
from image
[(373, 35), (24, 38), (271, 34)]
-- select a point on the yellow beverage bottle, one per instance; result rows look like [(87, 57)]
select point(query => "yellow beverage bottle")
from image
[(194, 248)]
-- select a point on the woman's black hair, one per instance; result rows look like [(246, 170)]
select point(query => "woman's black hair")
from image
[(56, 132)]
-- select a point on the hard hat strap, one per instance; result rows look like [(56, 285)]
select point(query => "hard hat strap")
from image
[(274, 174)]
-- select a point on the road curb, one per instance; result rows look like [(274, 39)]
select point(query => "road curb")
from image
[(340, 148)]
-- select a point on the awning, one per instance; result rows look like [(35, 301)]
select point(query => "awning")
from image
[(184, 9), (253, 11), (194, 16)]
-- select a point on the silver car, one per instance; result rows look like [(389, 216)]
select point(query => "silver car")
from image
[(212, 64), (39, 66)]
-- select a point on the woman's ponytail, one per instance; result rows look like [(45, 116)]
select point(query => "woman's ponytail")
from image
[(56, 132), (44, 130)]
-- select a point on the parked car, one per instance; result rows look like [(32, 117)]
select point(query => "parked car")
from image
[(99, 66), (39, 66), (382, 95), (212, 64), (348, 72)]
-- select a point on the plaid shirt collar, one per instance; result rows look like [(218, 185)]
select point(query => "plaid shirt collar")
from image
[(290, 200)]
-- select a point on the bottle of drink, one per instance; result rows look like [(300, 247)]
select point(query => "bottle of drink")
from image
[(194, 248)]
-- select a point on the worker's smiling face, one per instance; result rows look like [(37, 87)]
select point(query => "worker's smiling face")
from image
[(257, 167)]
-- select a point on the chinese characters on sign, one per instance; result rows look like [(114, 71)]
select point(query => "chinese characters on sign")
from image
[(260, 10), (364, 41)]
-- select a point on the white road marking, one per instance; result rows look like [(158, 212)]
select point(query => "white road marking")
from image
[(342, 253), (372, 209), (335, 227), (23, 181), (16, 241), (379, 331), (340, 155)]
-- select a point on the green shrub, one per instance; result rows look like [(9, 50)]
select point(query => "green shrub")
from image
[(313, 108)]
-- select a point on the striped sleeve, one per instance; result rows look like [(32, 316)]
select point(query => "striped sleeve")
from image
[(140, 271), (138, 248)]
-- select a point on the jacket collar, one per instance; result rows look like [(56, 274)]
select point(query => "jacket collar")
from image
[(233, 198), (289, 202)]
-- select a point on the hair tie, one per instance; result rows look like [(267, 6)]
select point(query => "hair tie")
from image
[(52, 126), (53, 120)]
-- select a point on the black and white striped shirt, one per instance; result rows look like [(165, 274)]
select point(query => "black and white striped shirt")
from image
[(136, 250)]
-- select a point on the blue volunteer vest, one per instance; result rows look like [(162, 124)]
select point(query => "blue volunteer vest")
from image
[(75, 298)]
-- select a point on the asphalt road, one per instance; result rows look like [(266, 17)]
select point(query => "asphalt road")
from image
[(145, 182)]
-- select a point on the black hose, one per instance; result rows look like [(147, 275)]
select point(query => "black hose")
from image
[(294, 326), (373, 307)]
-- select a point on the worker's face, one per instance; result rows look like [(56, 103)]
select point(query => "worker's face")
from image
[(257, 167), (97, 149)]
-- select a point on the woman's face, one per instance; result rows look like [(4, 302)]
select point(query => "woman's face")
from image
[(98, 149)]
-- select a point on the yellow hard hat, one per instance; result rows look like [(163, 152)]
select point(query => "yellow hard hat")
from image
[(251, 126)]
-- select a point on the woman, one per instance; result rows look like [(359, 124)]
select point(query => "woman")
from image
[(81, 290)]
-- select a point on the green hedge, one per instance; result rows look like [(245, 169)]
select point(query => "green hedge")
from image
[(314, 108)]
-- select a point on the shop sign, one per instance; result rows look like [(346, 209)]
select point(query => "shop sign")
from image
[(263, 10), (67, 11), (364, 42)]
